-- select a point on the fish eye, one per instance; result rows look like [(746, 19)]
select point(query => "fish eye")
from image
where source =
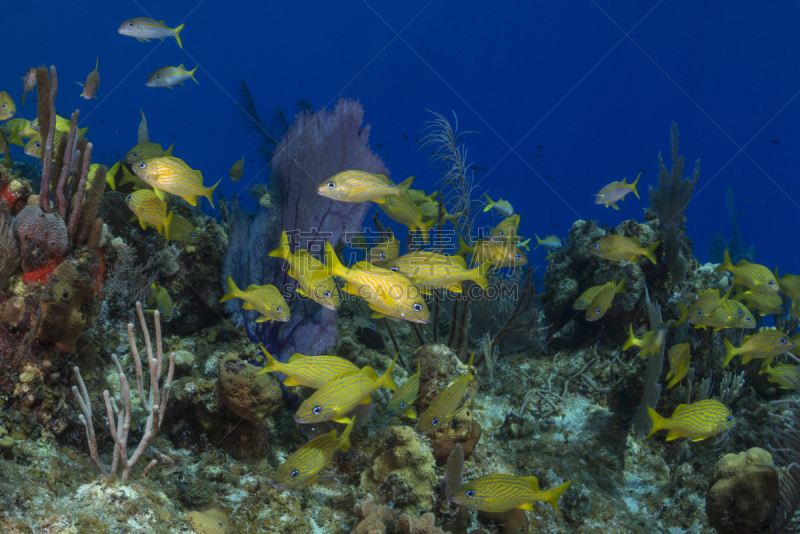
[(327, 294), (699, 313), (130, 24), (5, 105), (417, 307), (331, 185), (502, 232), (133, 155), (729, 419), (402, 404), (583, 302), (294, 473), (130, 197), (160, 309), (517, 256), (279, 309), (471, 493), (382, 255), (771, 283), (783, 341), (596, 246), (142, 165), (749, 319), (36, 145), (394, 269), (740, 312), (192, 235), (316, 410), (597, 310), (158, 77), (435, 420)]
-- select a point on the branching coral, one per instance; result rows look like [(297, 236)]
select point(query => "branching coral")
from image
[(154, 403)]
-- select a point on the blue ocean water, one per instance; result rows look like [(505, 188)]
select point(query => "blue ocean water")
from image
[(595, 83)]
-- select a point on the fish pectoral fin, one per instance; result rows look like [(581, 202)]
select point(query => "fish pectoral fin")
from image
[(614, 205), (673, 435), (377, 315), (366, 400), (455, 288), (349, 289), (300, 291), (141, 40), (247, 306), (410, 413), (162, 195), (527, 506), (290, 382), (343, 419), (696, 439), (263, 319)]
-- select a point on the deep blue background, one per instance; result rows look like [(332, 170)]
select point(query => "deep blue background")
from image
[(558, 74)]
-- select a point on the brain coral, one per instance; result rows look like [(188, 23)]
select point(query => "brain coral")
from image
[(41, 235)]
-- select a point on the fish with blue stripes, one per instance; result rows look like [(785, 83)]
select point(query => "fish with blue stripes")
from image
[(602, 301), (401, 209), (266, 300), (312, 371), (445, 405), (756, 278), (702, 308), (443, 272), (507, 229), (362, 186), (696, 421), (337, 398), (765, 345), (679, 358), (765, 303), (7, 106), (147, 150), (403, 399), (618, 248), (160, 301), (173, 176), (310, 273), (147, 208), (500, 492), (729, 314), (181, 230), (585, 298), (650, 343), (384, 251), (785, 375), (302, 467)]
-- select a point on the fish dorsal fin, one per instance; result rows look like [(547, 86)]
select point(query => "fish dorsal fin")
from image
[(458, 261), (162, 22), (251, 287), (369, 372), (674, 434), (680, 409), (294, 358), (533, 482), (635, 241), (181, 67)]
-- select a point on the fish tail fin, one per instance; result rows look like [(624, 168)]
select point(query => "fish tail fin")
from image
[(765, 370), (387, 380), (631, 341), (656, 420), (23, 98), (684, 313), (551, 496), (233, 291), (332, 263), (283, 247), (726, 264), (344, 439), (463, 248), (82, 132), (167, 225), (633, 186), (621, 286), (425, 228), (210, 192), (14, 138), (489, 203), (198, 83), (169, 150), (402, 187), (272, 364), (650, 252), (97, 63), (177, 36), (730, 352), (478, 275)]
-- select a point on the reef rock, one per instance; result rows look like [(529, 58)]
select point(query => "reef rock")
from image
[(402, 471), (438, 368), (462, 429), (743, 492), (63, 322), (245, 392)]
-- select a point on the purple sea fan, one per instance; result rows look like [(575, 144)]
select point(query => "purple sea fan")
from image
[(317, 146)]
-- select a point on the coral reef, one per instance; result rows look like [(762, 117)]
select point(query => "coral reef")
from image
[(63, 321), (246, 393)]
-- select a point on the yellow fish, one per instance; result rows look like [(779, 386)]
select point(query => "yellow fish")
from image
[(551, 242), (503, 207), (149, 209), (703, 307), (310, 273), (419, 197), (508, 228), (13, 138), (7, 106), (343, 394), (601, 302), (499, 493), (794, 309), (91, 85), (173, 176), (790, 284), (401, 209), (430, 210), (265, 201), (498, 253), (128, 178), (311, 371), (35, 147), (586, 298), (765, 303), (28, 82), (5, 146), (696, 421), (679, 359), (783, 374), (302, 467), (146, 150), (444, 406), (237, 170), (765, 344), (387, 293), (181, 230), (170, 76), (144, 29), (385, 251), (616, 191), (7, 162), (618, 248), (161, 302), (650, 343), (403, 399), (14, 124), (729, 314), (755, 277), (361, 186), (437, 274), (266, 300)]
